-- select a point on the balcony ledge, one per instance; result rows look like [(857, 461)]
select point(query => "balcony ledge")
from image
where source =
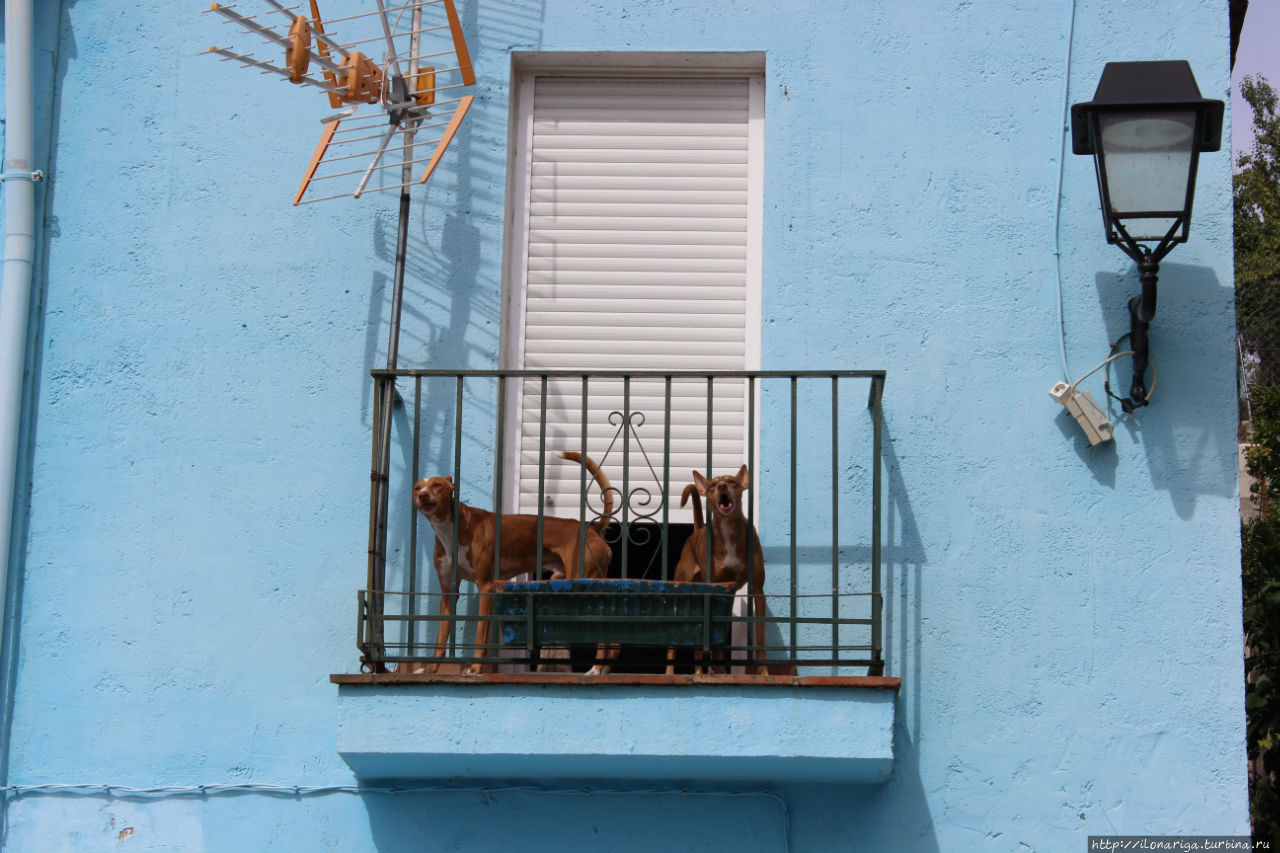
[(396, 727)]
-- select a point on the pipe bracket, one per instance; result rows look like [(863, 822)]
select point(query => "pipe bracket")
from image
[(35, 176)]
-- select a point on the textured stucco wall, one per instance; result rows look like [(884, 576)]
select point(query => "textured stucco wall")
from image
[(1065, 620)]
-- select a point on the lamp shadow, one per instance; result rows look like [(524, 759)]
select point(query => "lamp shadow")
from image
[(1188, 429)]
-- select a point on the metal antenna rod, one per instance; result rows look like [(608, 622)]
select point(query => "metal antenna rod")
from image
[(382, 474)]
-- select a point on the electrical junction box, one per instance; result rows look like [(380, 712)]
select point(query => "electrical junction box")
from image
[(1086, 411)]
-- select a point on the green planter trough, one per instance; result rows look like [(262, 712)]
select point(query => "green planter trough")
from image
[(636, 612)]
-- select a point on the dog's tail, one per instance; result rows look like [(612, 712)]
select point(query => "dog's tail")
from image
[(606, 488), (691, 489)]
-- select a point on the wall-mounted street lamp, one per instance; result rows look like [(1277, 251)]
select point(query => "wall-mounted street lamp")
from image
[(1145, 128)]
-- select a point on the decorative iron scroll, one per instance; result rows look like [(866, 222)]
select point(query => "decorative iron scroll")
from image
[(638, 505)]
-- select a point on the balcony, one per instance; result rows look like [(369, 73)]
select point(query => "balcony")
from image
[(811, 445)]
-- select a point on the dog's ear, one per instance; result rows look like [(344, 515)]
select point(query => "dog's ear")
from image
[(701, 483), (449, 479), (744, 478)]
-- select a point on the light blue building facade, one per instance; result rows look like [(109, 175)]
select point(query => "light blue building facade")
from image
[(191, 510)]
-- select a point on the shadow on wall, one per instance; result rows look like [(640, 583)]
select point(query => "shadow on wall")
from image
[(451, 312), (1186, 432), (558, 821), (442, 293), (54, 48), (450, 315), (894, 815)]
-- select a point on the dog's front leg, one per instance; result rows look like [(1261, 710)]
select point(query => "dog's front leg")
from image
[(760, 653), (697, 661), (448, 606), (606, 654), (484, 611)]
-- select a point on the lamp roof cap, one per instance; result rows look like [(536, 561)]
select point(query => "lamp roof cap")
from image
[(1164, 85)]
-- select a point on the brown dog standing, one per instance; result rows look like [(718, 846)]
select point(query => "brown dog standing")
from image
[(477, 531), (732, 538)]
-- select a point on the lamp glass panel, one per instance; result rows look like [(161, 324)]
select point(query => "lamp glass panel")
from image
[(1147, 157)]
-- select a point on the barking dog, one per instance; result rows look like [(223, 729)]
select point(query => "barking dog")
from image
[(732, 538), (477, 529)]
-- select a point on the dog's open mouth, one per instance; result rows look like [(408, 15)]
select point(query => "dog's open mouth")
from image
[(725, 504)]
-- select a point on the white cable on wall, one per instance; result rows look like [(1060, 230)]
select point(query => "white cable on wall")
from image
[(91, 789), (1057, 203)]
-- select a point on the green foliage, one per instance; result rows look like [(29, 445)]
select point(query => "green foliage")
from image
[(1261, 559), (1257, 259), (1256, 190), (1263, 454), (1256, 195), (1264, 805), (1260, 564)]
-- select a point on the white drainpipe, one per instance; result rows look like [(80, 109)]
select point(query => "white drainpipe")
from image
[(19, 253)]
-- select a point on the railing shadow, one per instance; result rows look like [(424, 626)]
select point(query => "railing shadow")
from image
[(896, 813)]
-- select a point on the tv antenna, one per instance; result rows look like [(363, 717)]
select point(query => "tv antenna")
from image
[(383, 106), (384, 109)]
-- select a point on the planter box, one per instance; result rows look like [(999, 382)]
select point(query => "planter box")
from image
[(635, 612)]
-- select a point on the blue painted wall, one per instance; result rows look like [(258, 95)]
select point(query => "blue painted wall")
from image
[(1065, 619)]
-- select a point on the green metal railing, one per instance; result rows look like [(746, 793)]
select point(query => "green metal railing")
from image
[(800, 435)]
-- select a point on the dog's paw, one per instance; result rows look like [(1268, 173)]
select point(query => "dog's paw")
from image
[(597, 670)]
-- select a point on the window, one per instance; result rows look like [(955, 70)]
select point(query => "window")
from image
[(633, 244)]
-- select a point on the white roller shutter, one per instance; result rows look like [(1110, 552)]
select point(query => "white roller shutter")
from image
[(638, 203)]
